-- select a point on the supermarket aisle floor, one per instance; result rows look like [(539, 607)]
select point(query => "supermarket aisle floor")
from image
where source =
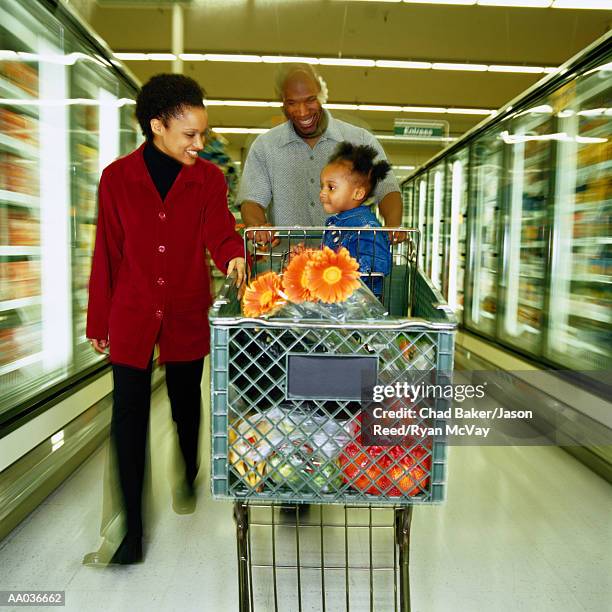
[(524, 529)]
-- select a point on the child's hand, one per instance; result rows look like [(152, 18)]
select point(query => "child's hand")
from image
[(238, 265)]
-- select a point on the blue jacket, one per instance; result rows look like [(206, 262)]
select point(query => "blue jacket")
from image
[(370, 249)]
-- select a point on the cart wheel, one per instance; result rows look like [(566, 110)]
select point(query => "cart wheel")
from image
[(241, 516), (403, 520)]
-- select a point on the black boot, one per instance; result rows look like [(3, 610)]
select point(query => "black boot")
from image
[(127, 553), (184, 498)]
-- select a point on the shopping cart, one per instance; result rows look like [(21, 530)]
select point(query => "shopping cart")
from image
[(289, 394)]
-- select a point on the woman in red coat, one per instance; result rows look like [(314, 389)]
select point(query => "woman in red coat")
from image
[(159, 209)]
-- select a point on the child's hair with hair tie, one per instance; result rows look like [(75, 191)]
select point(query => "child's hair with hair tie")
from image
[(361, 158)]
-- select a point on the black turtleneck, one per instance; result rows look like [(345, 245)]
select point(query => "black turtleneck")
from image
[(162, 168)]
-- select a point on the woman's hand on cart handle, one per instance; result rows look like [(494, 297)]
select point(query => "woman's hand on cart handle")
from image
[(262, 237), (238, 265), (100, 346)]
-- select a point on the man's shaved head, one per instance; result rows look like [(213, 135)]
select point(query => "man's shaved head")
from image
[(298, 72)]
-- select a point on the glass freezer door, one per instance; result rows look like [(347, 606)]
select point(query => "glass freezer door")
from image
[(35, 341), (528, 142), (94, 143), (486, 175), (580, 333), (436, 232), (456, 177), (407, 192), (420, 203)]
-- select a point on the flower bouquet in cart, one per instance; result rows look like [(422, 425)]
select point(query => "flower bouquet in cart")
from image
[(316, 284)]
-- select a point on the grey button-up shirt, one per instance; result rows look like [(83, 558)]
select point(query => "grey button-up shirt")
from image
[(282, 172)]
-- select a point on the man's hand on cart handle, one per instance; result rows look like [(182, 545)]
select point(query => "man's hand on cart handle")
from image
[(262, 237), (397, 237), (238, 265)]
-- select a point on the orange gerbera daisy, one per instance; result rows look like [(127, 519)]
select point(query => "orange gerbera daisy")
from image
[(332, 276), (295, 286), (262, 296)]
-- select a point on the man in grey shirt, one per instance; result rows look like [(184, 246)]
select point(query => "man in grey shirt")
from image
[(280, 180)]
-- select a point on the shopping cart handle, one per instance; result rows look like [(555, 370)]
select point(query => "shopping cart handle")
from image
[(223, 297), (448, 311)]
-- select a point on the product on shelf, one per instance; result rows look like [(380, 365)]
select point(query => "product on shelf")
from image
[(19, 279), (23, 228), (489, 304), (18, 175), (88, 158), (21, 74), (18, 126), (17, 338)]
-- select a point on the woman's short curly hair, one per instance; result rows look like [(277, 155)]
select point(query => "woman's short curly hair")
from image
[(164, 96)]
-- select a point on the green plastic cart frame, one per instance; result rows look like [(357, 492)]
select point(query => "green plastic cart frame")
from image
[(273, 447)]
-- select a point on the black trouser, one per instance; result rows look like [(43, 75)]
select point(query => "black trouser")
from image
[(130, 422)]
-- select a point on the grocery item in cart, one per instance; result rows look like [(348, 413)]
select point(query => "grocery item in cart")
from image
[(296, 449), (299, 466), (392, 471)]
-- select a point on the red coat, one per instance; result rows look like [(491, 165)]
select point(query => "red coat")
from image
[(149, 279)]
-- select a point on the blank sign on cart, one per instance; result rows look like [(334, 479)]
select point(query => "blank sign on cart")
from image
[(331, 377)]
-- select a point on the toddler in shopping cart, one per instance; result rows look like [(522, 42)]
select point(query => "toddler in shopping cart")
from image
[(347, 181)]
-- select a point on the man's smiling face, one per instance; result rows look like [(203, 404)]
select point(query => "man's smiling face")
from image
[(301, 103)]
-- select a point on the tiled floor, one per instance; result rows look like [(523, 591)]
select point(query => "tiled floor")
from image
[(523, 529)]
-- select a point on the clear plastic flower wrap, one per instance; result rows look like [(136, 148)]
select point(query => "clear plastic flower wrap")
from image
[(361, 305)]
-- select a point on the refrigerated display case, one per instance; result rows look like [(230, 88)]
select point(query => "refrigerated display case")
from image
[(529, 252), (407, 199), (581, 286), (486, 195), (436, 230), (525, 227), (60, 101), (456, 228), (420, 203)]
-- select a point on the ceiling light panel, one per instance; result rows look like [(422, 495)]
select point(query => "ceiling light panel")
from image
[(359, 107), (458, 2), (334, 61), (282, 59), (403, 64), (423, 109), (338, 61), (226, 57), (341, 106), (517, 3), (162, 57), (453, 66), (193, 57), (517, 69), (380, 107), (583, 4)]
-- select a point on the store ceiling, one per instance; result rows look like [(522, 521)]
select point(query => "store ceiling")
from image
[(377, 30)]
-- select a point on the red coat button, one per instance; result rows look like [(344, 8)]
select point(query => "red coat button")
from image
[(162, 215), (161, 248), (159, 314), (160, 281)]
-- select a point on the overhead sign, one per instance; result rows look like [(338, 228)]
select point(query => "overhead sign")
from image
[(420, 129)]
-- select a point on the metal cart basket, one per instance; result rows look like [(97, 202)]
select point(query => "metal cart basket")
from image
[(289, 392)]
